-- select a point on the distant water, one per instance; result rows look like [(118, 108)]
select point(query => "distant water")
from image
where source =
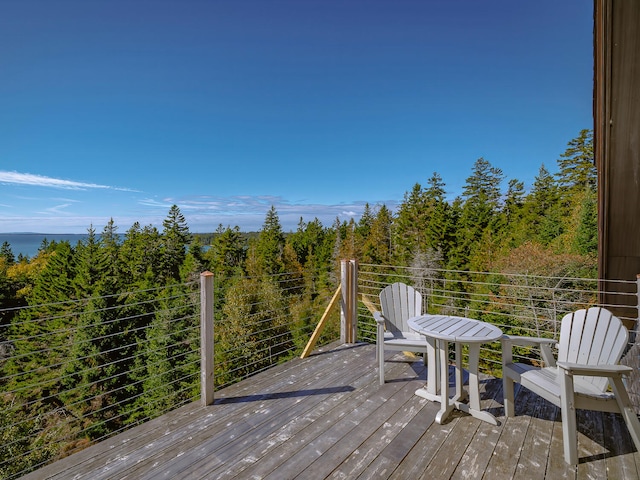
[(28, 244)]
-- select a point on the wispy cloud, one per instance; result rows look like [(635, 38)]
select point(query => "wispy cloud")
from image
[(204, 212), (57, 209), (17, 178)]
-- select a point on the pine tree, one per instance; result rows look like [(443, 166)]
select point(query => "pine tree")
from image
[(543, 212), (42, 340), (267, 250), (100, 358), (140, 255), (577, 170), (586, 239), (481, 195), (175, 239), (7, 254), (410, 225), (91, 265), (512, 214), (377, 245), (363, 227), (226, 256), (170, 358), (439, 230)]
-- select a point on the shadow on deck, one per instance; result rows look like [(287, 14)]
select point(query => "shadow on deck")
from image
[(327, 417)]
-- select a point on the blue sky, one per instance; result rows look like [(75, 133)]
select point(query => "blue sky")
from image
[(120, 109)]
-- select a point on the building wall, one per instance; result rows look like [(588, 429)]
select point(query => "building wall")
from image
[(617, 140), (616, 111)]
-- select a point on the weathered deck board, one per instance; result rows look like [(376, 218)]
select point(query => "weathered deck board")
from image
[(327, 417), (480, 450)]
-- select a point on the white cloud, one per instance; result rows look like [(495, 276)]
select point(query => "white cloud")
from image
[(58, 209), (17, 178)]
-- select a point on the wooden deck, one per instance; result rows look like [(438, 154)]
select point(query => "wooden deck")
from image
[(327, 417)]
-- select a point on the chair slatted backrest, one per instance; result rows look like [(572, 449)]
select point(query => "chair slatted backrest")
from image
[(399, 302), (592, 337)]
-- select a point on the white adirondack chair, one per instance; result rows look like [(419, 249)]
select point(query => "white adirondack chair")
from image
[(398, 302), (591, 344)]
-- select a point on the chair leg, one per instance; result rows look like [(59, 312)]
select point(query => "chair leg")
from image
[(626, 409), (380, 351), (508, 389), (569, 427), (380, 354)]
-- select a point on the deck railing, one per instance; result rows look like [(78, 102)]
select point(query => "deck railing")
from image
[(527, 304), (520, 304), (77, 372), (74, 373)]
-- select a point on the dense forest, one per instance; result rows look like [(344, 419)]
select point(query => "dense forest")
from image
[(137, 293)]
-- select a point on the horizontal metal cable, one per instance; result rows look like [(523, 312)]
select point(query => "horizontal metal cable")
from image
[(89, 341)]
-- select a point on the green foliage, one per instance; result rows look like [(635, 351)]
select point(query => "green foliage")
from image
[(227, 254), (577, 171), (7, 254), (586, 238), (265, 253), (254, 330), (174, 241)]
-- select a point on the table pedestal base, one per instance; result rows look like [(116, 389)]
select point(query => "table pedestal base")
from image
[(454, 397), (479, 414)]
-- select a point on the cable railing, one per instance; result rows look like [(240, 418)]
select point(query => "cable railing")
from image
[(74, 373), (519, 304)]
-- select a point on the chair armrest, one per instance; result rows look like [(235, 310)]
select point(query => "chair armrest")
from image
[(595, 370), (379, 318), (545, 344)]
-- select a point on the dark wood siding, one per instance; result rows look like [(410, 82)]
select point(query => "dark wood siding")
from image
[(617, 139)]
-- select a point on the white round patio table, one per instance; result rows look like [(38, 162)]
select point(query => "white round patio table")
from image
[(440, 330)]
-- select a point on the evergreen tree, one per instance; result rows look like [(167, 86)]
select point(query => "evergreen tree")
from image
[(55, 284), (7, 254), (42, 336), (6, 297), (175, 239), (308, 254), (577, 170), (170, 360), (255, 330), (227, 253), (103, 342), (349, 247), (514, 201), (410, 225), (140, 255), (110, 243), (480, 209), (512, 214), (440, 227), (363, 227), (91, 265), (543, 212), (586, 239), (267, 250), (377, 246)]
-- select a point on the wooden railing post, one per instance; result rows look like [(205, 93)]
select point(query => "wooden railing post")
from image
[(206, 338), (349, 303), (353, 300), (345, 327)]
